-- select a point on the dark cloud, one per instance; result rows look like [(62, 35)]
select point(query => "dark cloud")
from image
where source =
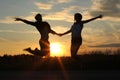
[(109, 8), (108, 45)]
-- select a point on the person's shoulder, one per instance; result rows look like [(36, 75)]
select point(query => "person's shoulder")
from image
[(45, 22)]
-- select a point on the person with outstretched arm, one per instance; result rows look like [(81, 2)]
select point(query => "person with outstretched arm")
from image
[(76, 29), (44, 30)]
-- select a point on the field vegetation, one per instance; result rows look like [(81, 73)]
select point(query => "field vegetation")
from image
[(94, 60)]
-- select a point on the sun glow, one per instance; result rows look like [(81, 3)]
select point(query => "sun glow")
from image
[(55, 49)]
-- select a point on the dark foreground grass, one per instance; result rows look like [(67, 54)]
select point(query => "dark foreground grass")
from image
[(96, 60)]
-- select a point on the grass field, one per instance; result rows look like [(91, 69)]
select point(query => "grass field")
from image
[(95, 60)]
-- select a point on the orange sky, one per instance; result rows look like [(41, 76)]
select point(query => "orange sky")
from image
[(99, 34)]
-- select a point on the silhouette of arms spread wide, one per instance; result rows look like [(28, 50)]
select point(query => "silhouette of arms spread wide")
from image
[(84, 21), (33, 23)]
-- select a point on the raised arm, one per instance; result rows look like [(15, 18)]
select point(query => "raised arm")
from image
[(25, 21), (86, 21)]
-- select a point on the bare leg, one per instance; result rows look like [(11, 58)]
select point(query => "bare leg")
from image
[(75, 44), (45, 47), (74, 49)]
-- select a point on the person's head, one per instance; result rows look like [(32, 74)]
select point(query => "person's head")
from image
[(38, 17), (77, 17)]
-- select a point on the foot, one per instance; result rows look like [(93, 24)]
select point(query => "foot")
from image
[(27, 49), (34, 52)]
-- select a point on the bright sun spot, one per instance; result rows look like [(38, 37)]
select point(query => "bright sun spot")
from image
[(55, 49)]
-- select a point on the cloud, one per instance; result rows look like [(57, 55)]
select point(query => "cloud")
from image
[(97, 35), (60, 28), (108, 45), (62, 15), (115, 30), (65, 14), (44, 6), (109, 8), (3, 40), (7, 20), (63, 1), (22, 32), (11, 20)]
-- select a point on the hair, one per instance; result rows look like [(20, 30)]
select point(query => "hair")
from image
[(77, 16), (38, 17)]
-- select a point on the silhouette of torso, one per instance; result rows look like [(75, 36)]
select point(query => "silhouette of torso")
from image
[(44, 29), (76, 29)]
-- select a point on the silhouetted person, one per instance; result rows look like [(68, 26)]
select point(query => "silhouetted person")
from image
[(76, 30), (44, 30)]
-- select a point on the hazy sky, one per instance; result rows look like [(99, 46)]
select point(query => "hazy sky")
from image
[(102, 33)]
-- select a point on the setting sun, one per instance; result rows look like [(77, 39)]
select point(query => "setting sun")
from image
[(55, 49)]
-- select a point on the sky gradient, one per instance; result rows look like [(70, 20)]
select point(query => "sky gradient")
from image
[(99, 34)]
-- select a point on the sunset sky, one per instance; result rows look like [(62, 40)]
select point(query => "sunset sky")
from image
[(101, 33)]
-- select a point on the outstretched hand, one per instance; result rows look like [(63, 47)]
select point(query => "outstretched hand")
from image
[(100, 16), (18, 19)]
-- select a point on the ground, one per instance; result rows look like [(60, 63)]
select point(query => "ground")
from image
[(85, 67)]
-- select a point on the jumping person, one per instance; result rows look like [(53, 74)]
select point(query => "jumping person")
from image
[(76, 30), (44, 30)]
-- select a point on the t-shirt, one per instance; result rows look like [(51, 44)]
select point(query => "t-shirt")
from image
[(76, 30)]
